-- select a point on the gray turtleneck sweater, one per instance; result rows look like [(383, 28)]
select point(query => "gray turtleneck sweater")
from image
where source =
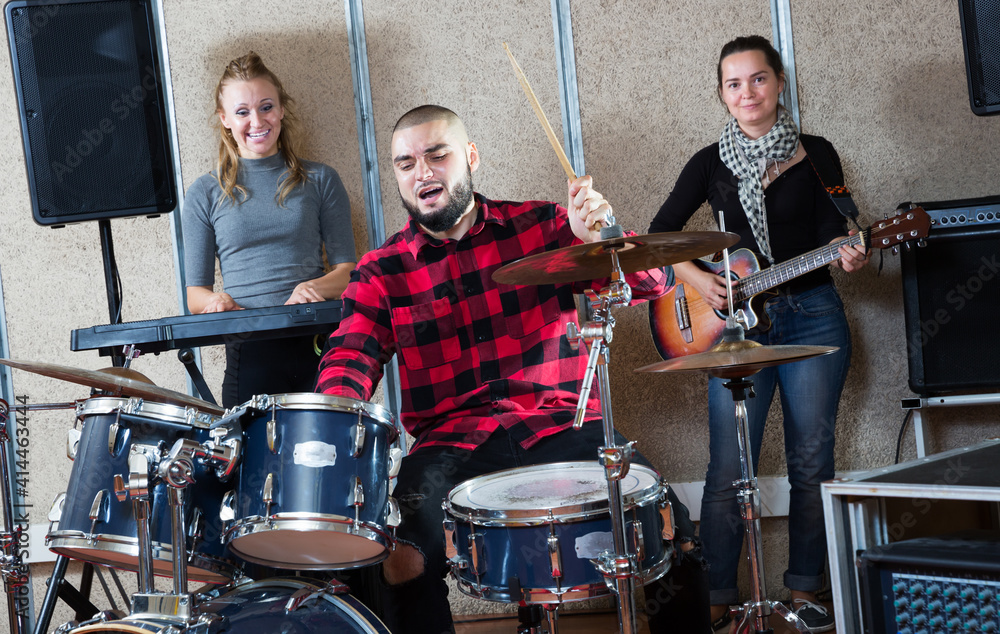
[(264, 249)]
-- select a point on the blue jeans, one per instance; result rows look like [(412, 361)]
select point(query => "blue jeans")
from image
[(810, 393)]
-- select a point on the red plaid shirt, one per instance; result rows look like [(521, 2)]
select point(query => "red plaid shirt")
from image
[(474, 354)]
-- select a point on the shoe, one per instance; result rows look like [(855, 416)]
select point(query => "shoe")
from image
[(723, 624), (816, 617)]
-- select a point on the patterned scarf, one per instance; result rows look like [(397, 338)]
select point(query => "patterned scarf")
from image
[(748, 158)]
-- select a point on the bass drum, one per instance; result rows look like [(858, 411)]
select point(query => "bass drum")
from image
[(274, 606)]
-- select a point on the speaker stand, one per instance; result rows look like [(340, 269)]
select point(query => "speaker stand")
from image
[(111, 282)]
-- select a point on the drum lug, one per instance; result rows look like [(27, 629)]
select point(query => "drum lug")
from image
[(113, 435), (55, 512), (99, 511), (358, 438), (450, 547), (358, 495), (667, 514), (268, 494), (555, 554), (272, 434), (393, 518), (73, 442), (395, 460), (636, 539), (477, 554), (196, 529), (227, 511)]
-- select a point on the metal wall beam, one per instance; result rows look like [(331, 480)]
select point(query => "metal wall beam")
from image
[(176, 228), (14, 493), (781, 26), (569, 94), (364, 112)]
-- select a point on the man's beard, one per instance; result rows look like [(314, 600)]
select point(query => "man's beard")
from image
[(446, 217)]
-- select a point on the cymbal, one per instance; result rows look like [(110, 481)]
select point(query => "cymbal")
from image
[(118, 381), (738, 359), (592, 261)]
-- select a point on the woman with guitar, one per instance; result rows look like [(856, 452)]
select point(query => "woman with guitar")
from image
[(762, 174)]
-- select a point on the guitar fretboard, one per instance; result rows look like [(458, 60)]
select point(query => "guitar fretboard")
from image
[(780, 273)]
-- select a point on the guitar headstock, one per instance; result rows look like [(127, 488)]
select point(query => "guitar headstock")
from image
[(906, 225)]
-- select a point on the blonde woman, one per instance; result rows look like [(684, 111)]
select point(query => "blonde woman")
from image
[(267, 214)]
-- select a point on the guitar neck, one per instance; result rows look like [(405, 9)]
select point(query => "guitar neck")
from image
[(780, 273)]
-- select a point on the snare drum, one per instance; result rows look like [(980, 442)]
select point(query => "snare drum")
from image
[(313, 489), (273, 606), (90, 524), (532, 534)]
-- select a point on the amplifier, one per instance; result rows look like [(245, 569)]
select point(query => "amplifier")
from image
[(964, 213), (951, 297), (932, 585)]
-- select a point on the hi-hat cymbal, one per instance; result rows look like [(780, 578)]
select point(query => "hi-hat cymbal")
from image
[(118, 381), (592, 261), (738, 359)]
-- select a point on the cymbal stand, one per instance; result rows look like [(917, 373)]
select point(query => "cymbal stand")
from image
[(753, 615), (620, 568)]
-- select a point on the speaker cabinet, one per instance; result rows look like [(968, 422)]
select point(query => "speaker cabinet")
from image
[(951, 299), (981, 38), (90, 99)]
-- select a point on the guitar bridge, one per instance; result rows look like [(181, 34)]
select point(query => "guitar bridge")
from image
[(683, 316)]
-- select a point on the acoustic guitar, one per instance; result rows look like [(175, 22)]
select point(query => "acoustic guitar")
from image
[(682, 323)]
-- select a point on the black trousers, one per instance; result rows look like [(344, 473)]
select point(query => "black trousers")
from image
[(269, 366), (427, 475)]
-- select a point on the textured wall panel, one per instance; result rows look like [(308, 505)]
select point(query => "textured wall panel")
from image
[(883, 81)]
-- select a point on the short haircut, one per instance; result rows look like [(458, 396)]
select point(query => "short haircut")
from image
[(425, 113)]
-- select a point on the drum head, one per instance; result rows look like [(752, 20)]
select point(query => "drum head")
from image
[(308, 545), (562, 490)]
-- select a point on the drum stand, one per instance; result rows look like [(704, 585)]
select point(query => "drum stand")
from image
[(620, 568), (176, 469), (530, 618)]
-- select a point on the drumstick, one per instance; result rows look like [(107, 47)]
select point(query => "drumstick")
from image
[(541, 116)]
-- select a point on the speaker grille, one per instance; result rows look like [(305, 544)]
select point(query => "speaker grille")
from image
[(91, 110), (981, 35), (951, 296)]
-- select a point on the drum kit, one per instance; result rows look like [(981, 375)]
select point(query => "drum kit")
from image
[(170, 485)]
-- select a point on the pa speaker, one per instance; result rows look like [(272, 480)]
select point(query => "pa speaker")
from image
[(90, 100), (981, 37), (951, 299)]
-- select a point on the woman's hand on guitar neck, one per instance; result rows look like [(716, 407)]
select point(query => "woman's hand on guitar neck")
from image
[(710, 286), (851, 258)]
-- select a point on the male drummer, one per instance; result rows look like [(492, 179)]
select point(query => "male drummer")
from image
[(488, 378)]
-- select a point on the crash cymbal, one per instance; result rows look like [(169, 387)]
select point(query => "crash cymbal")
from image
[(592, 261), (738, 359), (118, 381)]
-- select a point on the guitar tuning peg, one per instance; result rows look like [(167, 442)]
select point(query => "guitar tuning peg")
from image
[(907, 245), (895, 250), (921, 243)]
